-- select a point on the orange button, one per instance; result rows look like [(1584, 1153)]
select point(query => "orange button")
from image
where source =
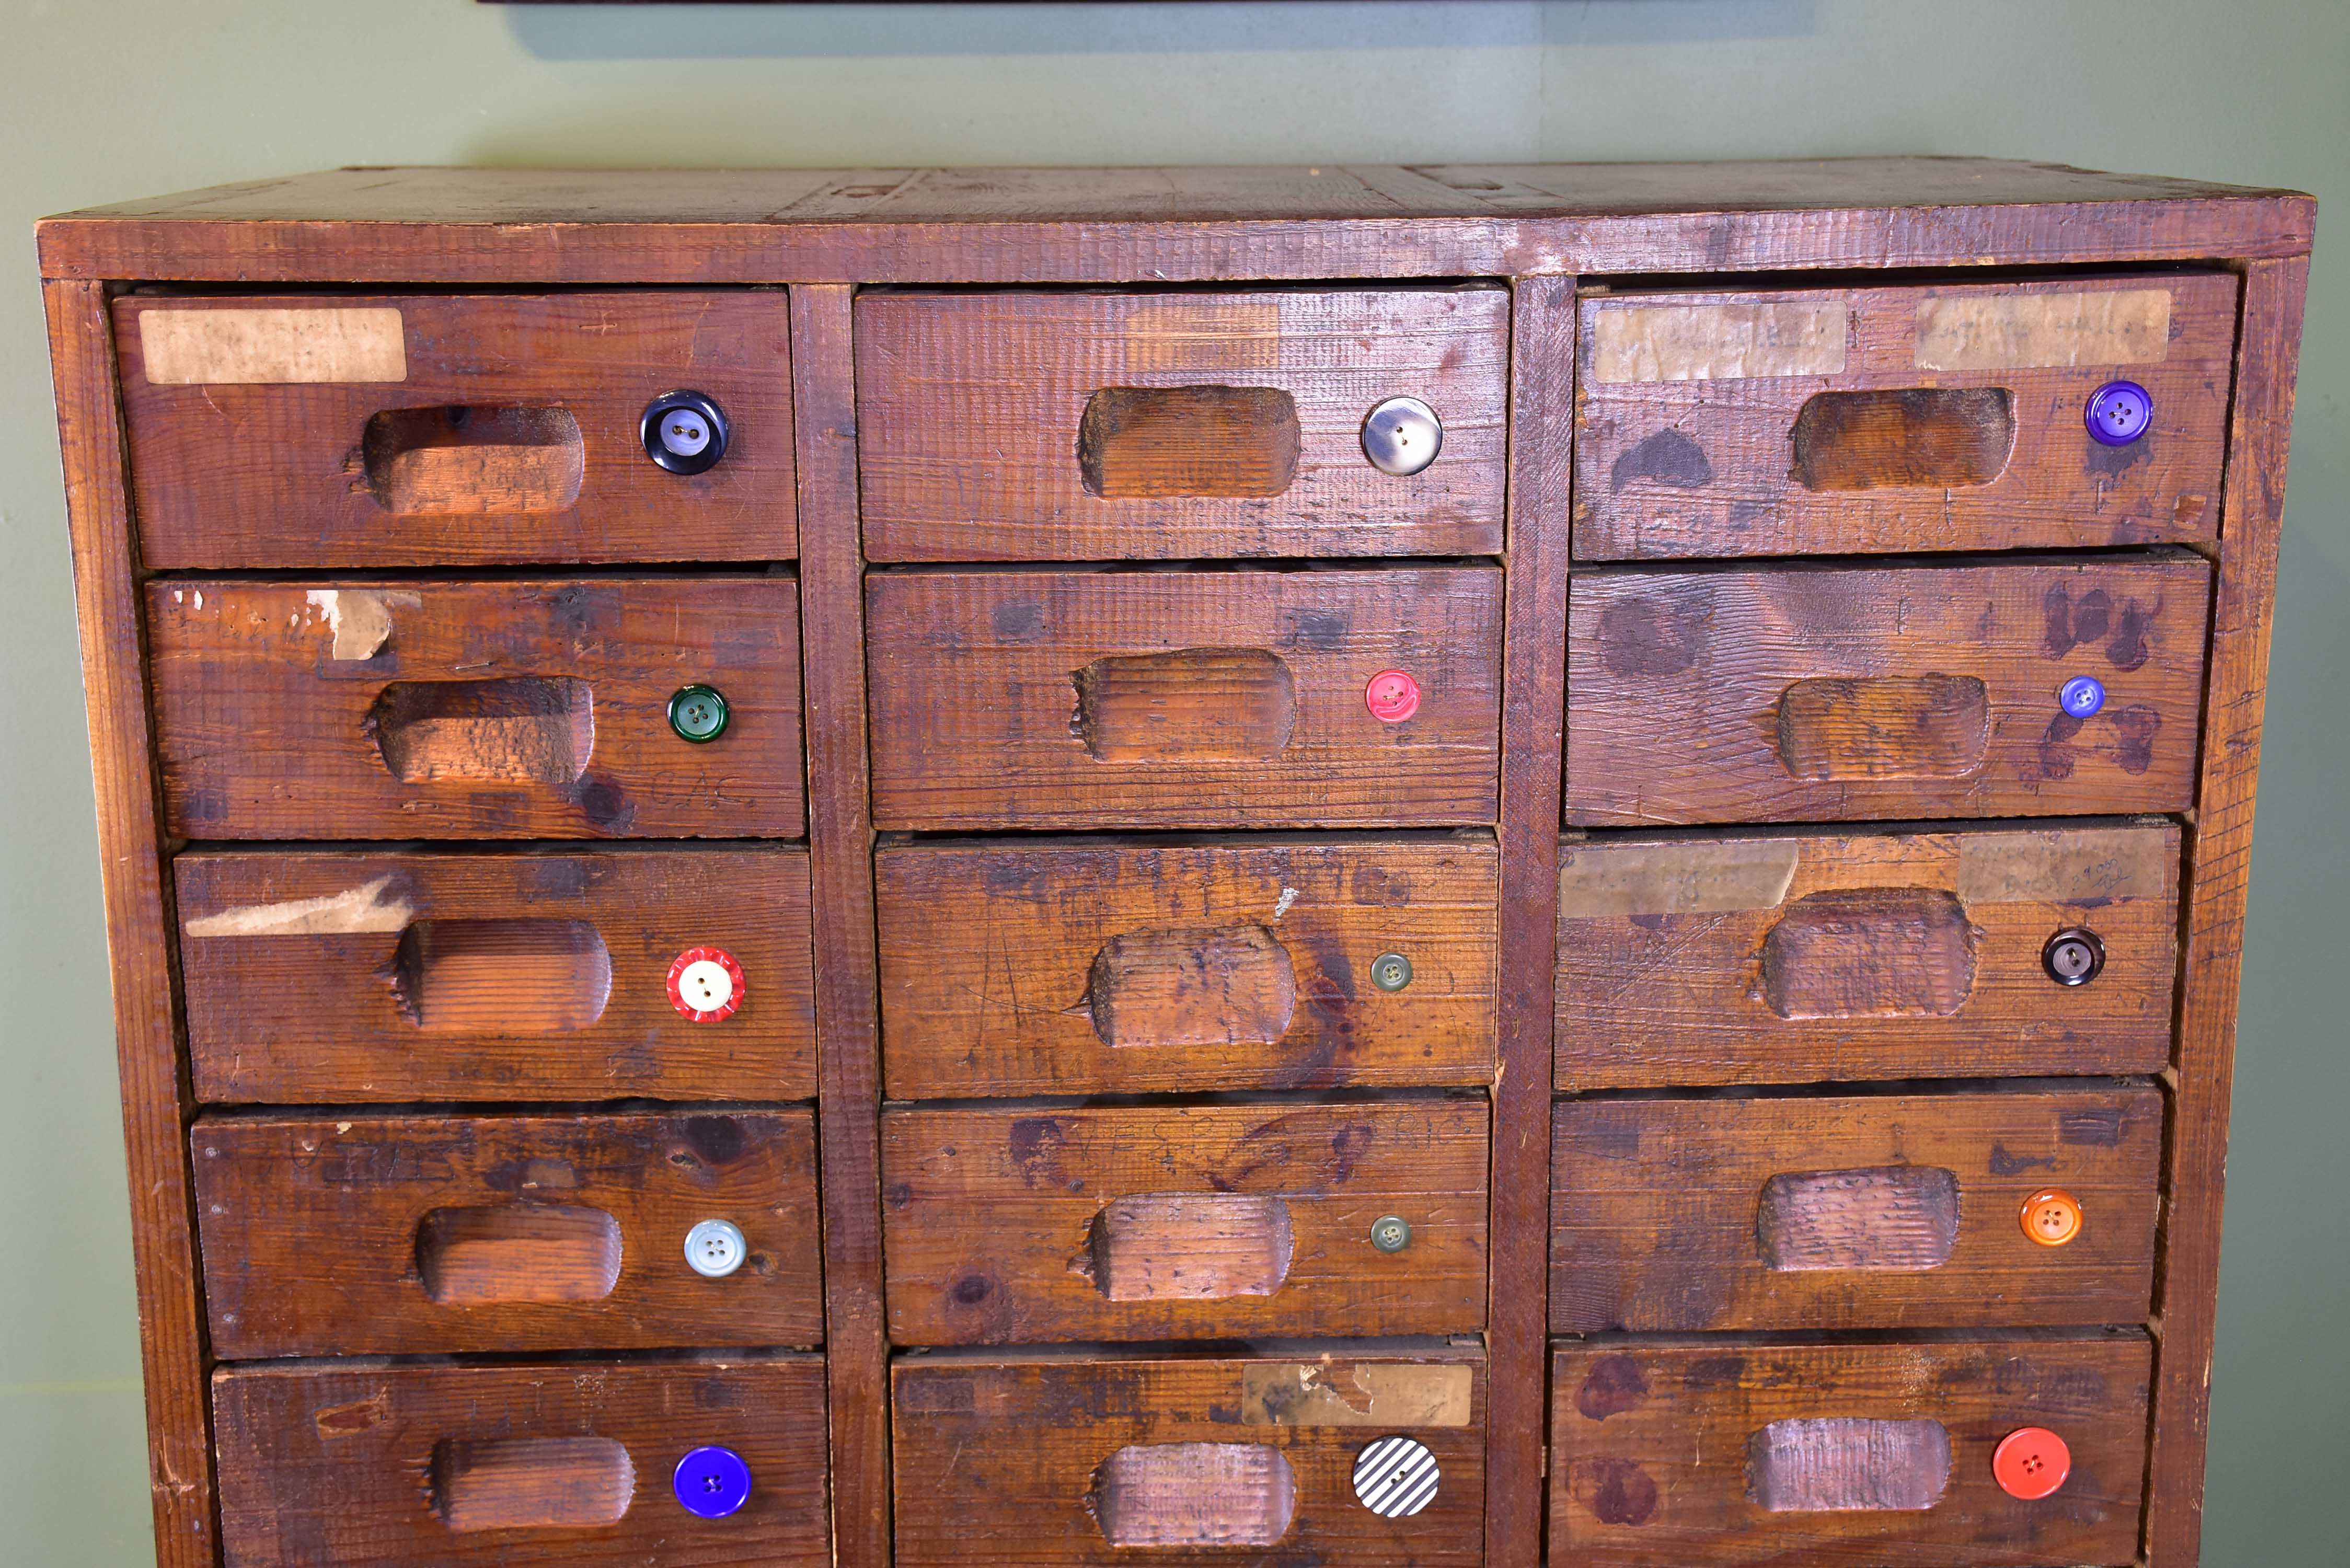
[(2052, 1217), (2031, 1462)]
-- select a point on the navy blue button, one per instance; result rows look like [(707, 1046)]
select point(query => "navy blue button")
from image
[(2119, 412), (711, 1482), (2082, 696)]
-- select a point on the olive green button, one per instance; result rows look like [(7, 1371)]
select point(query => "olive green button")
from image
[(1391, 971), (1391, 1233), (697, 714)]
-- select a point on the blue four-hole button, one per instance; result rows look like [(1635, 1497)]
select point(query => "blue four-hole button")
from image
[(711, 1482)]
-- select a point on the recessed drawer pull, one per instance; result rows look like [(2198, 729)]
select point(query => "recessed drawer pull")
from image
[(459, 460), (1190, 1246), (1846, 1465), (1149, 443), (501, 977), (1929, 726), (532, 1483), (1193, 1494), (1196, 704), (1222, 985), (521, 1252), (1900, 1219), (1944, 438), (527, 729), (1870, 952)]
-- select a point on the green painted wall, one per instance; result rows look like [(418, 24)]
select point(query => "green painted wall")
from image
[(108, 99)]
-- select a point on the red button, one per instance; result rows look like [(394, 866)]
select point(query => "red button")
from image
[(1392, 696), (705, 984), (2031, 1462)]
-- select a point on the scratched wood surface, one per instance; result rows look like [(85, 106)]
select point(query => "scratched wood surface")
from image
[(1651, 1450), (1790, 957), (333, 1237), (367, 1465), (516, 710), (1805, 693), (974, 411), (1051, 1183), (1100, 700), (312, 976), (278, 473), (1004, 1461), (1074, 969), (1687, 411), (1663, 1217)]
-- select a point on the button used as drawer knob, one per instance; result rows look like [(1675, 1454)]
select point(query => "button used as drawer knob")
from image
[(711, 1482), (715, 1249), (2082, 696), (2119, 412), (2052, 1217), (1391, 971), (1402, 436), (2074, 956), (1396, 1477), (1391, 1233), (705, 984), (685, 432), (1392, 696), (697, 714), (2031, 1463)]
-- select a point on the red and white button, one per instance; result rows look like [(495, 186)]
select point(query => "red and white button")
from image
[(1392, 696), (2031, 1463), (705, 984)]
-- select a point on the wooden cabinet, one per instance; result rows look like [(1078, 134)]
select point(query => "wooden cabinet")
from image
[(1345, 866)]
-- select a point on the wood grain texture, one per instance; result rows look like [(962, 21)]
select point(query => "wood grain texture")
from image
[(304, 976), (977, 703), (1664, 1216), (1032, 1272), (317, 1234), (156, 1103), (1072, 969), (2219, 868), (543, 462), (273, 725), (389, 1466), (1005, 1461), (977, 410), (1702, 467), (1652, 1451), (1702, 695), (1665, 946)]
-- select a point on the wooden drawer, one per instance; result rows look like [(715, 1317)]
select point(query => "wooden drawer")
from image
[(427, 430), (480, 710), (1068, 1459), (1089, 699), (563, 1465), (1799, 958), (1172, 1222), (1731, 1454), (1951, 417), (1078, 969), (1100, 426), (327, 976), (1884, 1211), (411, 1234), (1808, 693)]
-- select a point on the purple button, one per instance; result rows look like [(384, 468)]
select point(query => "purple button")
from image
[(2082, 696), (711, 1482), (2119, 412)]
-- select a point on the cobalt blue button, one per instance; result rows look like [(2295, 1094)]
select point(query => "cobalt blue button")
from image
[(2082, 696), (711, 1482), (2119, 411)]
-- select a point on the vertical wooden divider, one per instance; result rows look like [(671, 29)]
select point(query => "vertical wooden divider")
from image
[(1533, 676), (157, 1099), (2219, 869), (840, 853)]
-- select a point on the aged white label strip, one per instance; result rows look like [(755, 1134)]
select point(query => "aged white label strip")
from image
[(187, 347), (1356, 1394), (2043, 331), (1680, 876), (2066, 867), (1717, 342)]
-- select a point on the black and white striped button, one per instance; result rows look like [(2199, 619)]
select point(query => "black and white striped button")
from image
[(1396, 1477)]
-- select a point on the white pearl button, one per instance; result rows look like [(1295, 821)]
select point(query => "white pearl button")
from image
[(705, 985), (715, 1249)]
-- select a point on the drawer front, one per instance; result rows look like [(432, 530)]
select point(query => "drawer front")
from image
[(1896, 1211), (338, 978), (1116, 969), (485, 710), (1190, 1462), (1800, 694), (1173, 1222), (1099, 426), (498, 1466), (1949, 418), (398, 1235), (1851, 1455), (1185, 700), (1745, 959), (431, 430)]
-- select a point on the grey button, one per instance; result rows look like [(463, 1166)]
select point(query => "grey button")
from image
[(1403, 436), (1391, 971), (715, 1249), (1391, 1233)]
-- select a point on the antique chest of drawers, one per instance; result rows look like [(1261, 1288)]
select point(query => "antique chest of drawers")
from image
[(1328, 867)]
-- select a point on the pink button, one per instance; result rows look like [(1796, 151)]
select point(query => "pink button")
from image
[(1392, 696)]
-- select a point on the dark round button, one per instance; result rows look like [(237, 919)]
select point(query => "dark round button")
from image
[(685, 432), (2082, 696), (2073, 956), (2119, 412), (1391, 971), (711, 1482), (697, 714)]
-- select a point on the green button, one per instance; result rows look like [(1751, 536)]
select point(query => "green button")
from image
[(1391, 971), (697, 714), (1391, 1233)]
